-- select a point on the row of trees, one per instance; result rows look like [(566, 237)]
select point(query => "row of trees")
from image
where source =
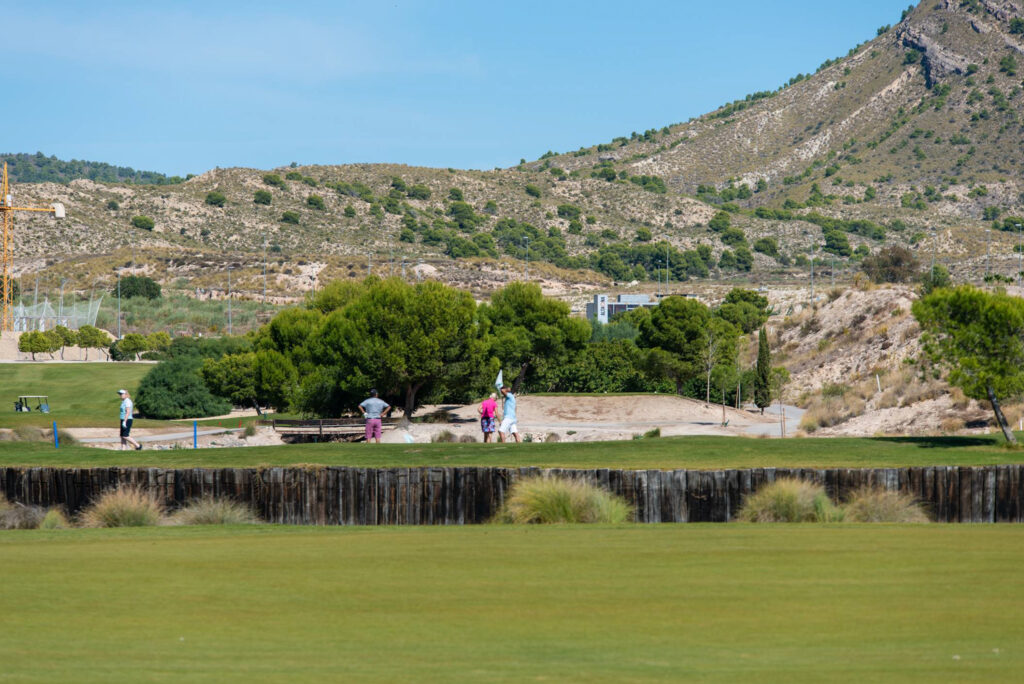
[(51, 341), (430, 342)]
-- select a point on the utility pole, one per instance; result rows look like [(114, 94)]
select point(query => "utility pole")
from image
[(812, 277), (668, 271), (119, 304), (61, 313), (1020, 252), (935, 238), (229, 300), (988, 252), (527, 239)]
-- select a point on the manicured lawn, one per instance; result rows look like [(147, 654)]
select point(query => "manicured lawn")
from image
[(664, 453), (719, 603), (81, 394)]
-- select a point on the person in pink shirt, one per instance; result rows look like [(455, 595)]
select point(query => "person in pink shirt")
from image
[(487, 409)]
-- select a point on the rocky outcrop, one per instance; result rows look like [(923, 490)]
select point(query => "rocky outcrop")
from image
[(937, 60)]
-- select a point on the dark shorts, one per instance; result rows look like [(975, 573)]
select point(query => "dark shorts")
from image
[(126, 431), (487, 424), (373, 428)]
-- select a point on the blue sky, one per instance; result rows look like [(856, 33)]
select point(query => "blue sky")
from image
[(186, 86)]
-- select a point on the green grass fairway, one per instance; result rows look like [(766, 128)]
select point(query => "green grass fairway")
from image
[(663, 453), (667, 603), (81, 394)]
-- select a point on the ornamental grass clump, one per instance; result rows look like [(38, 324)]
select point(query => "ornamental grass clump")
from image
[(211, 511), (16, 516), (125, 506), (560, 500), (874, 504), (790, 500)]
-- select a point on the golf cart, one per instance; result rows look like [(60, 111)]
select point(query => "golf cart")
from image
[(25, 401)]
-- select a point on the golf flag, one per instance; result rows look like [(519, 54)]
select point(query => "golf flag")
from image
[(498, 383)]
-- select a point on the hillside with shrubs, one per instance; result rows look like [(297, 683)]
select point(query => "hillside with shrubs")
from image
[(910, 138)]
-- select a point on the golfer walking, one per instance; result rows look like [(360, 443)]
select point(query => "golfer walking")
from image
[(488, 409), (127, 408), (508, 416), (372, 409)]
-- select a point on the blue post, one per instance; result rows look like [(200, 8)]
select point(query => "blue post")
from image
[(195, 434), (56, 439)]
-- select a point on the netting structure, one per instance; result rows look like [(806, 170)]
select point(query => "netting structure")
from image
[(45, 317)]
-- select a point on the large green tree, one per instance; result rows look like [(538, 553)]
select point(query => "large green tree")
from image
[(675, 334), (399, 338), (530, 331), (979, 337), (763, 376)]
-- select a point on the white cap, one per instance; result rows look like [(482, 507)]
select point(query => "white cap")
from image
[(122, 391)]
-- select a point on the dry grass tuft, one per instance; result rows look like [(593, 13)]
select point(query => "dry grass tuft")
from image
[(212, 511), (789, 500), (873, 504), (125, 506), (561, 500)]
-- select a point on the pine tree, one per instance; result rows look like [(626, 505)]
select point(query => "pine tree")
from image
[(762, 381)]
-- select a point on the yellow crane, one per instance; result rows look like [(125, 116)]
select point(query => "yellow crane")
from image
[(7, 208)]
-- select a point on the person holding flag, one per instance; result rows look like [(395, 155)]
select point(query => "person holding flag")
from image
[(508, 425)]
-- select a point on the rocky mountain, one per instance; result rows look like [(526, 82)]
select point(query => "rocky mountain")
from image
[(913, 137)]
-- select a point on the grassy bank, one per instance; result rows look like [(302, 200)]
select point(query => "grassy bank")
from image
[(81, 394), (664, 453), (512, 604)]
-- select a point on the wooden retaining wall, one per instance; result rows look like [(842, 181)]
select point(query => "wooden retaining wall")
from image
[(456, 496)]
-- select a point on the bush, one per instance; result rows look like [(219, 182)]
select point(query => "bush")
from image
[(262, 197), (790, 500), (290, 217), (211, 511), (532, 191), (137, 286), (174, 389), (126, 506), (444, 436), (569, 211), (143, 222), (54, 520), (895, 264), (560, 500), (418, 192), (874, 504), (316, 202), (273, 180), (16, 516), (112, 205), (216, 199)]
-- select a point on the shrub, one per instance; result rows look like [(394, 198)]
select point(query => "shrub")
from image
[(215, 199), (316, 202), (273, 180), (211, 511), (290, 217), (569, 211), (262, 197), (874, 504), (16, 516), (467, 439), (419, 192), (125, 506), (137, 286), (652, 434), (174, 389), (350, 211), (894, 264), (560, 500), (788, 500), (54, 520), (112, 205), (143, 222), (444, 436)]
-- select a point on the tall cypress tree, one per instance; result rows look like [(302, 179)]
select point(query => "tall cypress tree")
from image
[(762, 381)]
